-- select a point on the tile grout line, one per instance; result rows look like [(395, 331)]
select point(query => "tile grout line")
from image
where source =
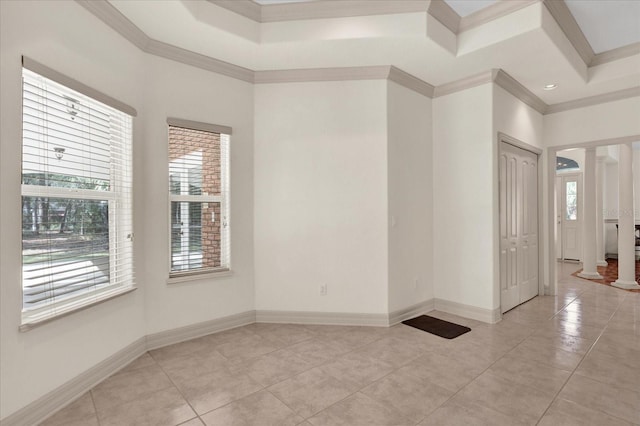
[(178, 389), (580, 363), (263, 388), (95, 409), (334, 360), (480, 374), (318, 366)]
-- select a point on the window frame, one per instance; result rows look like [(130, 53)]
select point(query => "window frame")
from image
[(225, 269), (32, 318)]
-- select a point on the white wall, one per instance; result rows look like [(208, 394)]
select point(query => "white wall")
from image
[(514, 118), (463, 174), (466, 209), (410, 183), (320, 196), (597, 122), (55, 34), (176, 90)]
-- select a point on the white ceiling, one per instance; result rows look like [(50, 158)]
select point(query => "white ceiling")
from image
[(519, 43), (607, 24), (467, 7)]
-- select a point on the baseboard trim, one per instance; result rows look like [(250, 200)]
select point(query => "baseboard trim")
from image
[(52, 402), (177, 335), (322, 318), (412, 311), (472, 312), (62, 396)]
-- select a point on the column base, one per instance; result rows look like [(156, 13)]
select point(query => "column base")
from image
[(590, 275), (602, 263), (627, 285)]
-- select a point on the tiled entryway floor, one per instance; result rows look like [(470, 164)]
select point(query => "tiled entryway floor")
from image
[(610, 272), (573, 359)]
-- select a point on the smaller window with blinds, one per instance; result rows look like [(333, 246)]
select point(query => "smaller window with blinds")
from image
[(76, 199), (199, 198)]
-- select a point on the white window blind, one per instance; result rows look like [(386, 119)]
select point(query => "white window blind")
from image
[(76, 200), (199, 198)]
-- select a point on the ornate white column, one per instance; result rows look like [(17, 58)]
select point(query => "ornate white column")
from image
[(626, 221), (589, 269), (600, 236)]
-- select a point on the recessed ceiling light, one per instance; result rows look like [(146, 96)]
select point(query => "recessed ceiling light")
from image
[(550, 86)]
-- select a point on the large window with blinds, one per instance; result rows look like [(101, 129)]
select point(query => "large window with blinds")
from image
[(76, 200), (199, 198)]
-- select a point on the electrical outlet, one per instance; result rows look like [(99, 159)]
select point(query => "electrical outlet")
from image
[(323, 289)]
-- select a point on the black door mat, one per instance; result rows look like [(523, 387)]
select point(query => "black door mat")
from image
[(436, 326)]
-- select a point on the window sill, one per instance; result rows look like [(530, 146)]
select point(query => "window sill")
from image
[(196, 276), (63, 311)]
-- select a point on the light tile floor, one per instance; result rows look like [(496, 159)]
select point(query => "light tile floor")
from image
[(573, 359)]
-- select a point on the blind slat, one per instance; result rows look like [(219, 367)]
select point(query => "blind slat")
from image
[(199, 196), (76, 206)]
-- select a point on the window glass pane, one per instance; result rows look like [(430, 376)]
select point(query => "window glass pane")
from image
[(572, 200), (65, 248), (194, 162), (76, 245), (195, 235)]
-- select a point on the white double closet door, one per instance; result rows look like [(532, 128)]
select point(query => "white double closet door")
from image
[(518, 226)]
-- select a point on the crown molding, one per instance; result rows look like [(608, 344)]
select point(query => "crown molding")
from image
[(319, 9), (615, 54), (439, 9), (111, 16), (444, 14), (570, 28), (594, 100), (321, 74), (494, 11), (500, 78), (463, 84), (514, 87), (381, 72), (247, 8), (410, 82), (323, 9), (178, 54)]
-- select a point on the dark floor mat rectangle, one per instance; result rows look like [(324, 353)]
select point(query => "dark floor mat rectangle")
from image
[(436, 326)]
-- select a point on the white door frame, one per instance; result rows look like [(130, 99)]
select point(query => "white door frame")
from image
[(502, 137), (551, 194), (558, 222)]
